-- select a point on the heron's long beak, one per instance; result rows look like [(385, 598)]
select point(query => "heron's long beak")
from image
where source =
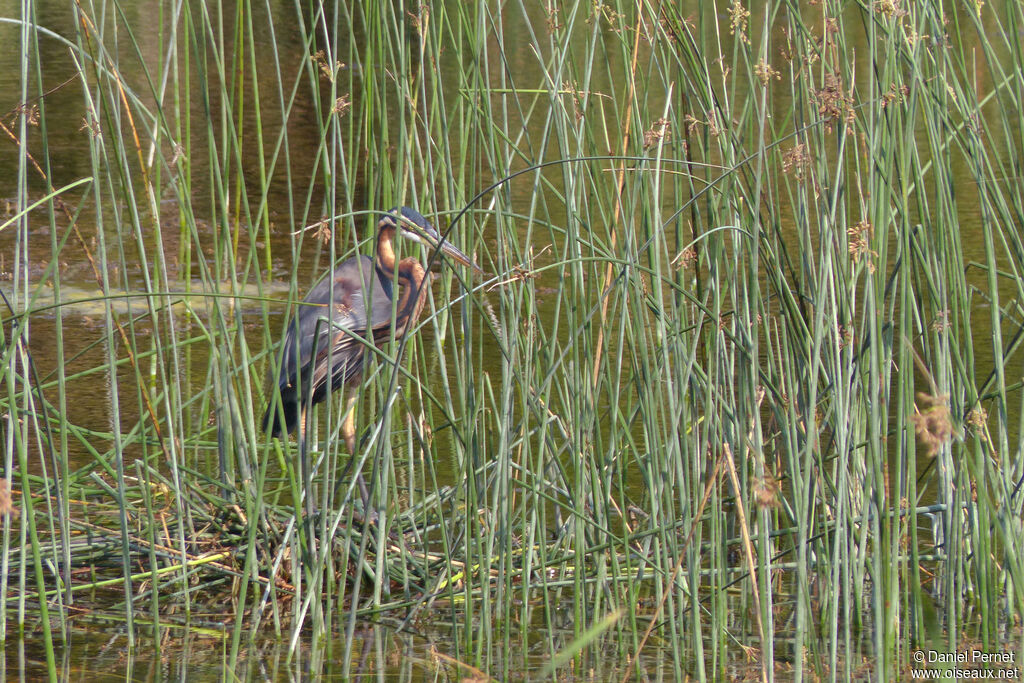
[(424, 233), (453, 251)]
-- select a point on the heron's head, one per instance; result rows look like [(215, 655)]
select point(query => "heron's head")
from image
[(410, 224)]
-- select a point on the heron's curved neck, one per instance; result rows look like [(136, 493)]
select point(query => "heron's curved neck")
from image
[(409, 270), (385, 258)]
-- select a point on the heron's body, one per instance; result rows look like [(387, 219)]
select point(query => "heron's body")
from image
[(363, 301), (327, 342)]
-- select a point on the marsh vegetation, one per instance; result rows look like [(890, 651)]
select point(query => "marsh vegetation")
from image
[(737, 394)]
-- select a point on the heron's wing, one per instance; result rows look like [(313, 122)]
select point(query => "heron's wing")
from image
[(327, 337)]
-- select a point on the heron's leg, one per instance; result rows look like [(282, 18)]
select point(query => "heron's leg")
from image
[(348, 431), (305, 469), (348, 425)]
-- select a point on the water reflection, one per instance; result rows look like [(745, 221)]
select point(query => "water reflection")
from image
[(99, 652)]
